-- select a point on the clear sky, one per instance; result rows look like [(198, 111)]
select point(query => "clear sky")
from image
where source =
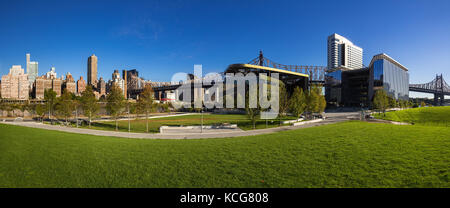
[(160, 38)]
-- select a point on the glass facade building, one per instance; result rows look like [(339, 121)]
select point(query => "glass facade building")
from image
[(392, 78), (333, 79), (32, 72), (357, 87)]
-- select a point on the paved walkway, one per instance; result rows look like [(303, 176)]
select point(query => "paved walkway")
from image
[(331, 118)]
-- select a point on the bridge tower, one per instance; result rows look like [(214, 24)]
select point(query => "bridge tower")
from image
[(439, 86)]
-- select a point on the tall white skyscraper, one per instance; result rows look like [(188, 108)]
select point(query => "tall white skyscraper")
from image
[(32, 70), (343, 53)]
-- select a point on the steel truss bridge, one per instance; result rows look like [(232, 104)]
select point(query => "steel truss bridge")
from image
[(316, 73), (437, 86)]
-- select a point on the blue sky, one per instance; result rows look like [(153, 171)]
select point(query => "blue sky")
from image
[(160, 38)]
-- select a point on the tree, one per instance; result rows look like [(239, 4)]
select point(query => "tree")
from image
[(422, 104), (65, 105), (115, 102), (297, 103), (50, 98), (252, 113), (392, 102), (8, 107), (40, 111), (31, 108), (312, 101), (76, 104), (381, 101), (89, 103), (26, 106), (322, 103), (317, 100), (129, 107), (2, 106), (22, 107), (284, 101), (145, 103), (166, 107), (410, 104)]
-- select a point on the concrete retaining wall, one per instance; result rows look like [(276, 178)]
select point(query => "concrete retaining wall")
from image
[(292, 121), (164, 128), (307, 122)]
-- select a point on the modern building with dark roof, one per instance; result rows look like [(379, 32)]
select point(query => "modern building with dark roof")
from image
[(357, 87)]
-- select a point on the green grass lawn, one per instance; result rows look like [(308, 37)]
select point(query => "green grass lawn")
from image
[(139, 125), (349, 154), (431, 116)]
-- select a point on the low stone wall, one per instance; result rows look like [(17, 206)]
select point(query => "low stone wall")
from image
[(399, 123), (307, 122), (15, 113), (292, 121), (229, 126)]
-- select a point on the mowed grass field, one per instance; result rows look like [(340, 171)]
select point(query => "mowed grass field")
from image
[(139, 125), (430, 116), (349, 154)]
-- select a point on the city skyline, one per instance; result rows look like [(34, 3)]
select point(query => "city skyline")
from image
[(161, 40)]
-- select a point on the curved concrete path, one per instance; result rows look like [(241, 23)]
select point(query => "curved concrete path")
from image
[(331, 118)]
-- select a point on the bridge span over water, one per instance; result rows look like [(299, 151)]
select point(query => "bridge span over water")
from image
[(313, 74), (437, 86)]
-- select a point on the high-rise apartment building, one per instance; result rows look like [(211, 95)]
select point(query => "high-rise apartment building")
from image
[(51, 74), (81, 85), (343, 53), (70, 84), (32, 70), (47, 81), (15, 85), (133, 80), (119, 81), (92, 70), (101, 87), (125, 85)]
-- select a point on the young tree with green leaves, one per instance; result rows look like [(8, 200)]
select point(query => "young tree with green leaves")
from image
[(422, 104), (317, 99), (166, 107), (89, 103), (381, 101), (145, 103), (297, 103), (115, 103), (2, 106), (252, 113), (392, 102), (65, 105), (322, 103), (40, 111), (77, 104), (27, 106), (283, 101), (8, 107), (50, 98), (311, 102)]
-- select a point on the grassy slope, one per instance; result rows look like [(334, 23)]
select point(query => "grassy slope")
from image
[(154, 124), (351, 154), (434, 116)]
